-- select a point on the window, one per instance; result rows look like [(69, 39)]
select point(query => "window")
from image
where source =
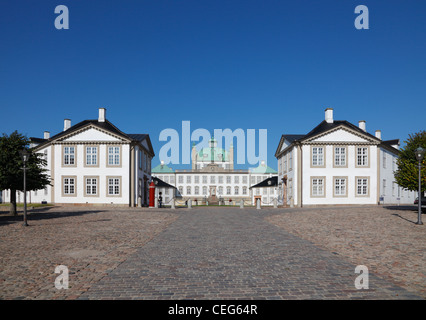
[(91, 156), (188, 179), (172, 179), (220, 190), (228, 179), (340, 186), (114, 186), (180, 179), (69, 155), (384, 187), (180, 190), (362, 156), (228, 190), (69, 186), (317, 156), (220, 179), (285, 163), (318, 189), (188, 190), (91, 186), (290, 161), (205, 190), (197, 191), (384, 160), (212, 179), (340, 157), (204, 179), (236, 179), (236, 190), (113, 156), (244, 190), (362, 186), (196, 179), (245, 179)]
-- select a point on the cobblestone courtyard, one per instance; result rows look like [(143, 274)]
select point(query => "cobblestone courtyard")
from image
[(213, 253)]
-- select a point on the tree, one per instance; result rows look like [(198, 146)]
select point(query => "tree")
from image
[(407, 174), (11, 164)]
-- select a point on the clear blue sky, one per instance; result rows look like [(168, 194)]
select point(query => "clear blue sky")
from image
[(250, 64)]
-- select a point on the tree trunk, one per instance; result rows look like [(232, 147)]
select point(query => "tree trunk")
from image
[(13, 203)]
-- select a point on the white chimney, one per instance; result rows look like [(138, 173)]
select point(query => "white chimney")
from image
[(102, 115), (46, 135), (378, 134), (329, 115), (67, 124), (361, 125)]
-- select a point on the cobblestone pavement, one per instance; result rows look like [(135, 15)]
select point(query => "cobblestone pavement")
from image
[(90, 241), (218, 253), (385, 239)]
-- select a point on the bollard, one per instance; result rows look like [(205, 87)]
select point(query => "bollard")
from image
[(156, 202), (275, 203), (258, 204), (242, 204), (173, 203), (189, 204), (291, 202)]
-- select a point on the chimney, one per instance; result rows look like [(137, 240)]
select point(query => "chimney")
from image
[(361, 125), (46, 135), (329, 115), (67, 124), (102, 115), (378, 134)]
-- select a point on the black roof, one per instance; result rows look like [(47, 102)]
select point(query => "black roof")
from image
[(325, 126), (161, 184), (270, 182), (106, 125)]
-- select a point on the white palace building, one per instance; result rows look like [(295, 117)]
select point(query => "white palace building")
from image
[(338, 163), (93, 162), (213, 180)]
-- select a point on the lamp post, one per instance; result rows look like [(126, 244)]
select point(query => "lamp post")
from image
[(420, 152), (25, 155)]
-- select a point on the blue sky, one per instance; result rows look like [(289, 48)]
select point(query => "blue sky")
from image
[(252, 64)]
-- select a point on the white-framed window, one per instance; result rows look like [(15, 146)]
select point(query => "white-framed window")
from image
[(228, 179), (69, 155), (361, 186), (220, 178), (340, 156), (204, 190), (113, 186), (196, 179), (228, 190), (197, 190), (317, 156), (204, 179), (244, 190), (384, 160), (236, 190), (384, 186), (180, 179), (113, 156), (362, 156), (220, 190), (340, 187), (69, 186), (212, 179), (91, 156), (188, 190), (188, 179), (91, 186), (317, 187), (244, 179), (236, 179), (290, 161), (180, 188)]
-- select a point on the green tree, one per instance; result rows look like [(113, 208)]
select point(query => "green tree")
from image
[(11, 164), (407, 174)]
